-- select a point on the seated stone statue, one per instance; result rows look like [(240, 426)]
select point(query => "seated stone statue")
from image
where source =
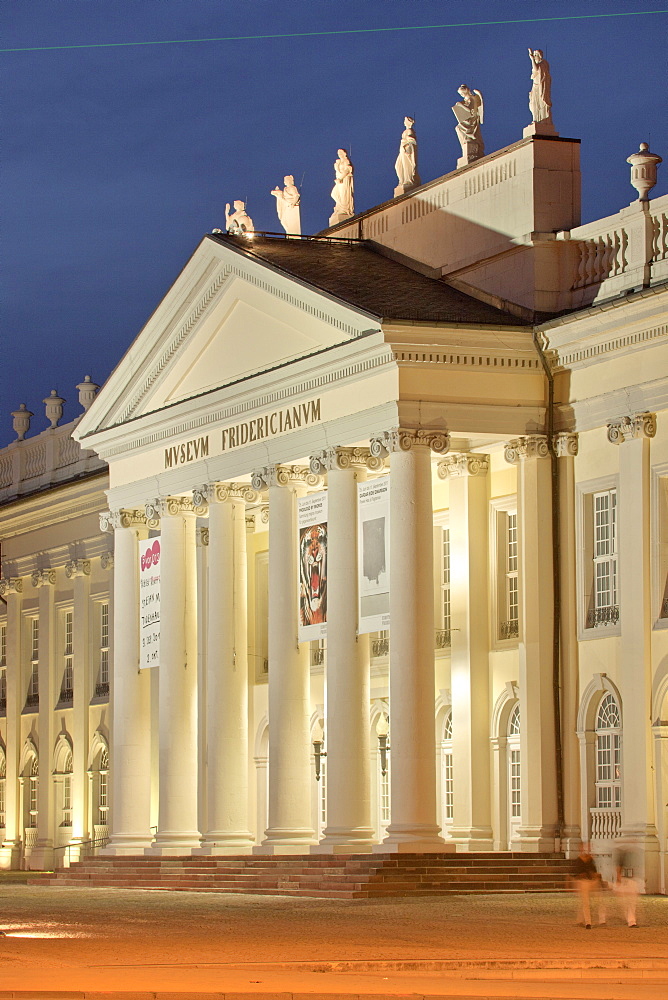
[(238, 222), (469, 115)]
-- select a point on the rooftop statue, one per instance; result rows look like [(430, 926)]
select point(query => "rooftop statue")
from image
[(469, 115), (238, 222), (406, 162), (287, 206), (342, 192), (540, 96)]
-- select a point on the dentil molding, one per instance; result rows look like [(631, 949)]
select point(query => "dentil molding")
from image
[(638, 425)]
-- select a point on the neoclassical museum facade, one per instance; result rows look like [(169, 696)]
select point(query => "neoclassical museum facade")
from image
[(404, 486)]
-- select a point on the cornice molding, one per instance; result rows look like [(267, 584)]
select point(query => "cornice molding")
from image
[(463, 464), (522, 448), (344, 458), (639, 425), (284, 475), (11, 585), (565, 444), (236, 410), (487, 360), (405, 438)]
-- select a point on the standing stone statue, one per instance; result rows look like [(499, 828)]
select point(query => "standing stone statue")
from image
[(343, 190), (469, 115), (406, 162), (238, 222), (540, 96), (287, 206)]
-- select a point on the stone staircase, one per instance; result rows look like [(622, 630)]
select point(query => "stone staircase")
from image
[(357, 876)]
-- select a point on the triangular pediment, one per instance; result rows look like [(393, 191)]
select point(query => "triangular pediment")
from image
[(226, 319)]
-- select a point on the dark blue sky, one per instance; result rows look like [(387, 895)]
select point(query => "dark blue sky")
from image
[(115, 161)]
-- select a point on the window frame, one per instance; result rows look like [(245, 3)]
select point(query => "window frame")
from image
[(500, 573), (586, 492)]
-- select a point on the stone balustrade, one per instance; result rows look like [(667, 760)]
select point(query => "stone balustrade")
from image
[(606, 824), (44, 460)]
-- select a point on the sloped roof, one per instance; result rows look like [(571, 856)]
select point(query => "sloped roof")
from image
[(357, 274)]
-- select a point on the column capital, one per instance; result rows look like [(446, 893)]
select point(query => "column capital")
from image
[(203, 536), (530, 446), (463, 464), (283, 475), (638, 425), (107, 560), (11, 585), (170, 507), (121, 518), (222, 492), (565, 444), (344, 458), (405, 438), (77, 567), (44, 578)]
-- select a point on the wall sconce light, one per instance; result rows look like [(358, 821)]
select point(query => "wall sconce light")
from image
[(319, 753), (382, 731)]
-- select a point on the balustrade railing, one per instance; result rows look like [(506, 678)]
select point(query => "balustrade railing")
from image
[(442, 638), (509, 630), (101, 690), (603, 616), (317, 656), (380, 647), (606, 824), (32, 701)]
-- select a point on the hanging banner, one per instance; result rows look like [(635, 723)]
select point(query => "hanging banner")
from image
[(373, 507), (149, 603), (312, 532)]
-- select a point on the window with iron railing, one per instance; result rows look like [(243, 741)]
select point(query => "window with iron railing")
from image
[(102, 685), (32, 699), (67, 683)]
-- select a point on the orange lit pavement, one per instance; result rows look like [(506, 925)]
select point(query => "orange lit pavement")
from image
[(88, 943)]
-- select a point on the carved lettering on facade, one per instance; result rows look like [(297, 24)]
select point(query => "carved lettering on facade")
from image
[(188, 451), (271, 424)]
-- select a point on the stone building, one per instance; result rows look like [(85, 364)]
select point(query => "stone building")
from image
[(503, 367)]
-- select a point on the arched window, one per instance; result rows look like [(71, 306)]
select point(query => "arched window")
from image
[(514, 767), (33, 781), (67, 790), (608, 754), (3, 778), (447, 776)]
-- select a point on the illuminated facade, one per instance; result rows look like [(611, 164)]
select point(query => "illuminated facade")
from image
[(505, 367)]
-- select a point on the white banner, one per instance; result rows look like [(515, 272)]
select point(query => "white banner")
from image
[(373, 507), (149, 603), (312, 534)]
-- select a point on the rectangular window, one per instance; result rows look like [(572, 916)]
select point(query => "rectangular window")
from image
[(385, 796), (33, 800), (3, 645), (604, 604), (515, 801), (104, 644), (67, 685), (67, 800), (506, 570), (2, 802), (102, 799), (33, 686), (448, 787), (445, 579)]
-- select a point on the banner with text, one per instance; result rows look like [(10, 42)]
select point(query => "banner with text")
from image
[(312, 533), (149, 603), (373, 507)]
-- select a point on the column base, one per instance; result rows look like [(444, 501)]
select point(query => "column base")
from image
[(414, 841), (535, 841), (571, 838), (10, 855), (213, 845), (126, 845), (346, 840), (276, 849), (173, 844), (354, 847), (42, 858), (471, 839)]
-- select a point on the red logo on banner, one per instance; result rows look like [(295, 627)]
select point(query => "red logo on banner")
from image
[(152, 556)]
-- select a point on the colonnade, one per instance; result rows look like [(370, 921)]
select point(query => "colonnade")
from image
[(413, 824)]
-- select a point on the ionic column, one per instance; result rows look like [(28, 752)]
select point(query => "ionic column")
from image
[(538, 780), (469, 663), (349, 826), (290, 830), (633, 435), (130, 750), (227, 829), (11, 589), (177, 679), (78, 570), (412, 681), (566, 448), (42, 857)]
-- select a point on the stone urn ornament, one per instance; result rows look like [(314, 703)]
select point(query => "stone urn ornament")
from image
[(643, 170)]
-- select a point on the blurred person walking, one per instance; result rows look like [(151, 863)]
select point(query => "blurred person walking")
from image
[(587, 880), (626, 886)]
